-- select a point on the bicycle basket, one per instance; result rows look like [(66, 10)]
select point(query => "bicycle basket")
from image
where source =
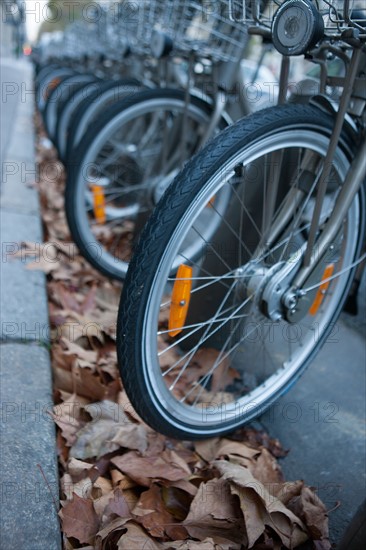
[(345, 13), (337, 14), (188, 25)]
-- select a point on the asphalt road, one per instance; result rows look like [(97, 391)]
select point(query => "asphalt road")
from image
[(321, 420)]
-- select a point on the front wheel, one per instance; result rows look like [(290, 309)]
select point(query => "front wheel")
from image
[(209, 336)]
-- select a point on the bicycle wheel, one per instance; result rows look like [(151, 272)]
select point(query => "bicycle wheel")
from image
[(122, 168), (207, 342)]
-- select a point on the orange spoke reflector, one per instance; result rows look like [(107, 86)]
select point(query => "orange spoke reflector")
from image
[(52, 85), (318, 300), (98, 203), (181, 296), (211, 202)]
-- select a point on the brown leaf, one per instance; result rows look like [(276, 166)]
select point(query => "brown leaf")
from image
[(43, 265), (216, 448), (67, 417), (118, 505), (91, 385), (214, 513), (266, 468), (183, 485), (111, 532), (89, 300), (67, 299), (207, 544), (79, 519), (89, 356), (286, 491), (79, 469), (82, 488), (137, 539), (151, 512), (222, 373), (258, 439), (157, 443), (109, 430), (176, 501), (120, 480), (101, 487), (131, 436), (260, 508), (100, 507), (144, 469), (312, 511)]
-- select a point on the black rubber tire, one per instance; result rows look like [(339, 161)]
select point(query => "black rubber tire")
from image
[(61, 94), (86, 105), (43, 95), (146, 263), (73, 103), (43, 72), (76, 168)]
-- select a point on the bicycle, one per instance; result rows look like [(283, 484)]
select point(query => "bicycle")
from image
[(245, 264), (139, 144)]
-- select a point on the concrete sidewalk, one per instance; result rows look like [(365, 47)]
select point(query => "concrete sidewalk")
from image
[(28, 461)]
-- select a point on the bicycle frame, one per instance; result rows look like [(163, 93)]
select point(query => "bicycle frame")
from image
[(351, 107)]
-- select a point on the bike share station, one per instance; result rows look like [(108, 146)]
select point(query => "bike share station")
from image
[(237, 227)]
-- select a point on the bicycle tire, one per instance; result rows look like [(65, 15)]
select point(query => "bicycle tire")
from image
[(61, 94), (107, 93), (144, 105), (66, 111), (267, 365), (48, 83)]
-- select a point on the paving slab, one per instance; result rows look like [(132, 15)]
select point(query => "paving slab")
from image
[(29, 493), (24, 308), (18, 187), (29, 518)]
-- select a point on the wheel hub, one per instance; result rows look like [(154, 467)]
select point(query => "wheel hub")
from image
[(259, 283), (269, 288)]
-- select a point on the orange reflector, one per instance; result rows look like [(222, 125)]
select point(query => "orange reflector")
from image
[(211, 202), (51, 86), (98, 203), (181, 296), (328, 272)]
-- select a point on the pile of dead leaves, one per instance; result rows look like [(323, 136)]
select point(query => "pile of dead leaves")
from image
[(123, 486)]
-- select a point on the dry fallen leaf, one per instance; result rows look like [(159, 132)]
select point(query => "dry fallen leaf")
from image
[(260, 508), (312, 511), (214, 513), (145, 469), (79, 519), (137, 539), (151, 512), (110, 430)]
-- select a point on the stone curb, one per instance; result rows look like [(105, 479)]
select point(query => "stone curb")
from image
[(28, 476)]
